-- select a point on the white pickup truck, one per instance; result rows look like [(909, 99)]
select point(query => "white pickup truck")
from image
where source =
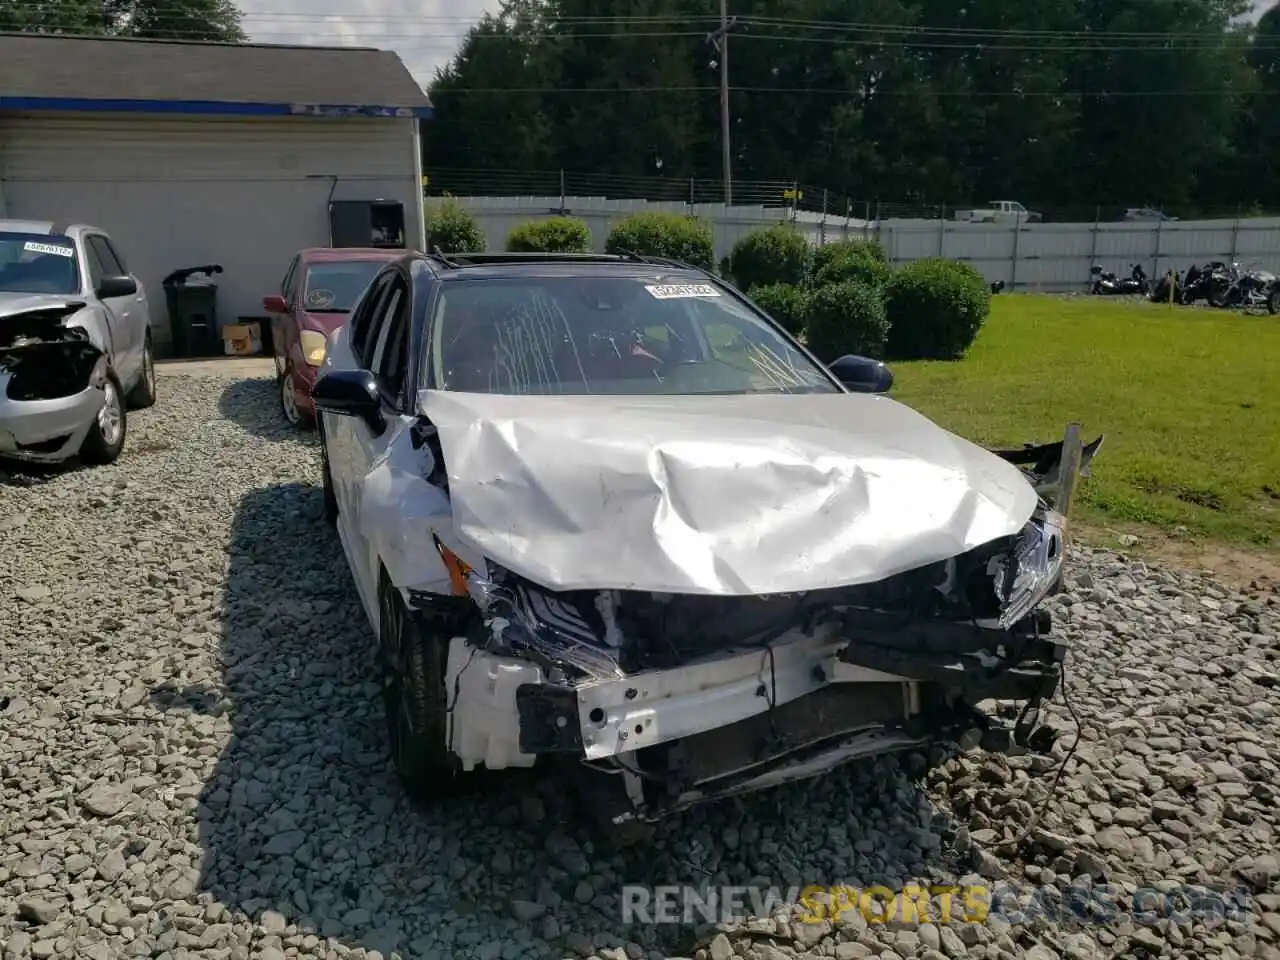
[(999, 210)]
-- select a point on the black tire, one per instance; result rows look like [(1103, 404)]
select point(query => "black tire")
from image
[(296, 418), (105, 439), (143, 394), (414, 699), (1273, 302), (1217, 297), (326, 482)]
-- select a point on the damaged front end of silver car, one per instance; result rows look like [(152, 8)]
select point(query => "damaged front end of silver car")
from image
[(50, 378), (661, 701)]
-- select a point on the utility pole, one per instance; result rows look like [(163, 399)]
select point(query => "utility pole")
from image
[(720, 40)]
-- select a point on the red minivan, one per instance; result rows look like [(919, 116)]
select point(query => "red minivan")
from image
[(318, 291)]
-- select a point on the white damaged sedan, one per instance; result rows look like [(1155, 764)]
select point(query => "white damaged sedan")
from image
[(604, 511)]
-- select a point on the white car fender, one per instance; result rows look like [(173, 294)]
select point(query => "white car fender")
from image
[(401, 514)]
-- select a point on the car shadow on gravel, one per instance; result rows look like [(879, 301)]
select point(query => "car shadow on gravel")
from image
[(18, 473), (305, 829), (254, 406)]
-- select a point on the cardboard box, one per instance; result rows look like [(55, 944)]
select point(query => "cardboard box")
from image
[(243, 346), (242, 339), (241, 331)]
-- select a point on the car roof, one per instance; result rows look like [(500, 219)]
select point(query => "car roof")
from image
[(495, 266), (342, 254), (47, 227)]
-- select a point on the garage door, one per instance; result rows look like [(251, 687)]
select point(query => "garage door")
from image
[(245, 193)]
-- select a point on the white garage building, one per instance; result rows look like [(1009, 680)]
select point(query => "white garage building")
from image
[(198, 153)]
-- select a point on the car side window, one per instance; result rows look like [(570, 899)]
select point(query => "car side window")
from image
[(100, 253), (97, 269), (364, 321), (391, 360), (114, 255), (289, 285)]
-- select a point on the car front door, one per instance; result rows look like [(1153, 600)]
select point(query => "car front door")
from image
[(117, 335), (284, 327), (353, 350), (387, 351), (128, 315)]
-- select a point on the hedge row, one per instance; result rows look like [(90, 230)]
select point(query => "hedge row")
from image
[(841, 297), (845, 297)]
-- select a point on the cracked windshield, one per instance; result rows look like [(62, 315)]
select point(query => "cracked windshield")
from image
[(614, 335)]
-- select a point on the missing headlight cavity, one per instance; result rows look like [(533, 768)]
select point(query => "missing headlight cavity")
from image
[(43, 359)]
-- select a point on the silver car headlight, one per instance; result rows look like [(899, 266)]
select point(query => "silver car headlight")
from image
[(1027, 574)]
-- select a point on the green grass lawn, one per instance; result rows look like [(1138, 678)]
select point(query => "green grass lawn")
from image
[(1189, 400)]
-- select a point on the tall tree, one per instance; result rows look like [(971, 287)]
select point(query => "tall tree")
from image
[(1060, 103), (159, 19), (217, 20), (479, 122)]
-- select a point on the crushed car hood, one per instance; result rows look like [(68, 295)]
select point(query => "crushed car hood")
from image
[(725, 495), (12, 304)]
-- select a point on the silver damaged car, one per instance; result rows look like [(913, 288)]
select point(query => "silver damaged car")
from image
[(75, 343)]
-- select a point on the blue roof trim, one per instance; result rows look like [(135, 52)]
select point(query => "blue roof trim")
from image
[(212, 108)]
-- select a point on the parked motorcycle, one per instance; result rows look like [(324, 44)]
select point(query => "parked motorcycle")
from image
[(1106, 283), (1208, 282), (1252, 288)]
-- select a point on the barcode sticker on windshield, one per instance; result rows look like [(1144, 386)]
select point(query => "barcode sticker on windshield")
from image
[(678, 291), (32, 247)]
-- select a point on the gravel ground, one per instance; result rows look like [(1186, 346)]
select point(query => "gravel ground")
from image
[(192, 761)]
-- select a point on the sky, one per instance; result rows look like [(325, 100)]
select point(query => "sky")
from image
[(425, 33)]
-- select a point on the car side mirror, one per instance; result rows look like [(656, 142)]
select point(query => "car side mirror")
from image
[(862, 374), (109, 287), (351, 393), (275, 304)]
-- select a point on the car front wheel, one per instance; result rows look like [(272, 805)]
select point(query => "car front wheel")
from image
[(414, 699), (296, 416), (105, 439)]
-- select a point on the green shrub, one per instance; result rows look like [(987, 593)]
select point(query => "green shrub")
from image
[(453, 229), (846, 317), (779, 254), (866, 249), (935, 308), (725, 268), (657, 234), (853, 265), (550, 235), (784, 302)]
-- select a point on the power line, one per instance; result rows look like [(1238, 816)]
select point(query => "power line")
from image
[(424, 41), (912, 34), (847, 92)]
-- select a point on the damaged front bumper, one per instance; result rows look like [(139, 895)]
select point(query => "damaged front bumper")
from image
[(741, 722), (51, 378)]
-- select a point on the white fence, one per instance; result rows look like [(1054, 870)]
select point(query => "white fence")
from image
[(1053, 257)]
